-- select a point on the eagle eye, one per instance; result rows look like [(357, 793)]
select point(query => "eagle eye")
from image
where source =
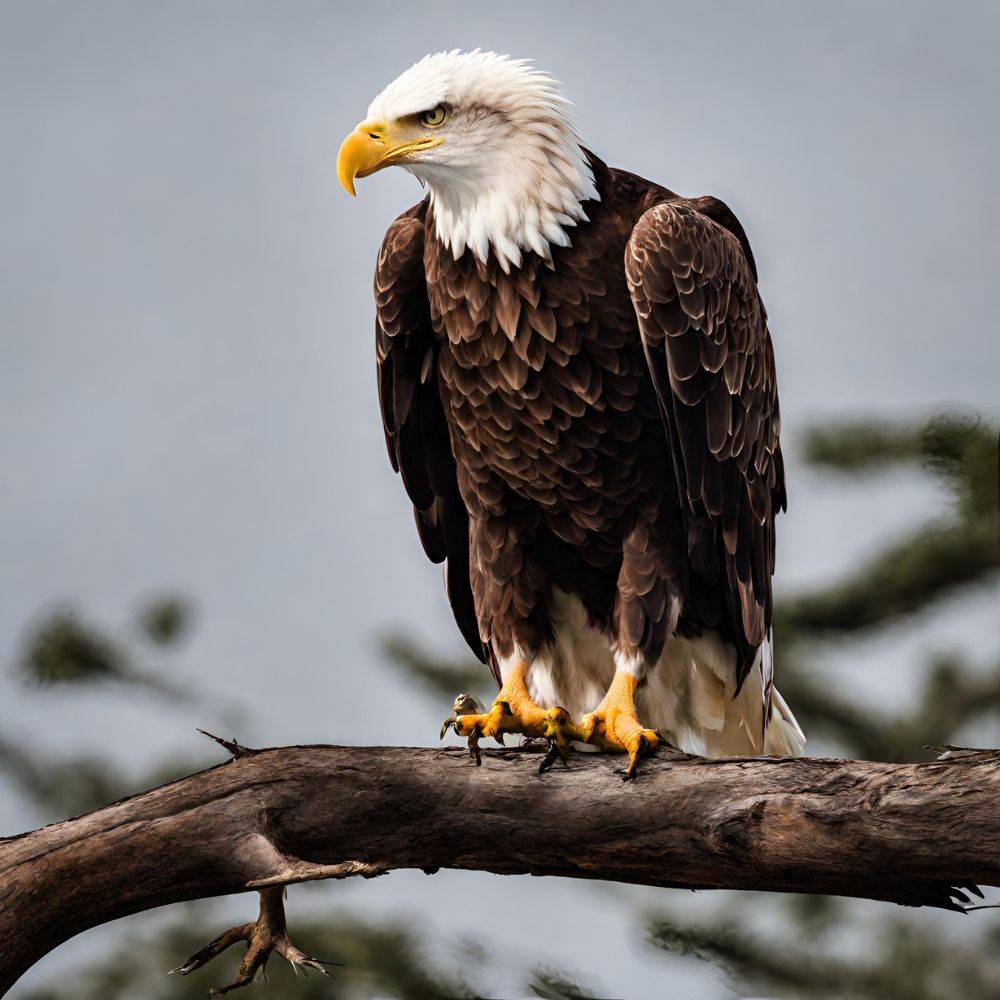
[(434, 117)]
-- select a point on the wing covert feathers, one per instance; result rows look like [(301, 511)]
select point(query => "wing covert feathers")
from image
[(704, 331), (416, 433)]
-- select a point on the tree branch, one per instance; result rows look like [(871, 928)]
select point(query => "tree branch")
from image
[(916, 834)]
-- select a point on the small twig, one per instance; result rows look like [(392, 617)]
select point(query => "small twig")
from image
[(946, 751), (306, 871), (231, 746)]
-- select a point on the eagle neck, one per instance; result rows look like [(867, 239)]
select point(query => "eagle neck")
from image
[(516, 206)]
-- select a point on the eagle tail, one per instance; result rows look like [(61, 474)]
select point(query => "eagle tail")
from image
[(692, 699), (784, 736)]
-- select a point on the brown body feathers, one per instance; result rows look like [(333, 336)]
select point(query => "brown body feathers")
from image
[(605, 423)]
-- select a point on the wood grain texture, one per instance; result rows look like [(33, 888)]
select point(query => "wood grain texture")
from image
[(910, 834)]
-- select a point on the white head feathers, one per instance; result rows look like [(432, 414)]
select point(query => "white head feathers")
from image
[(510, 173)]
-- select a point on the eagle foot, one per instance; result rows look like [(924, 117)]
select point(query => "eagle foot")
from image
[(625, 734), (512, 712), (265, 935), (615, 726)]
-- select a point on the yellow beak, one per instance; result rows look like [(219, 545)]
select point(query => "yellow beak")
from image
[(370, 147)]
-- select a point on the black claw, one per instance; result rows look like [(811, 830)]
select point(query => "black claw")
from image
[(551, 756), (498, 736), (632, 771)]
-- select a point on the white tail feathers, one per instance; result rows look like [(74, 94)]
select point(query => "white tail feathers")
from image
[(690, 698), (784, 737)]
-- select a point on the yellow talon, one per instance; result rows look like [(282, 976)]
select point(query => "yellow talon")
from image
[(614, 725), (513, 711)]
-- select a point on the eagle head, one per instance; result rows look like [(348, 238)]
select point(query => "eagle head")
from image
[(492, 139)]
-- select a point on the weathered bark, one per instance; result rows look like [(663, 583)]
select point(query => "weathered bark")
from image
[(913, 834)]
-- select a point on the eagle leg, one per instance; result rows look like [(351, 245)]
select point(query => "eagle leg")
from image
[(614, 724), (266, 935), (513, 711)]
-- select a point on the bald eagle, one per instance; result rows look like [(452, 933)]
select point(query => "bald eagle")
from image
[(578, 388)]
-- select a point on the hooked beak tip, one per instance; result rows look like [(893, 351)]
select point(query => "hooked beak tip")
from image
[(346, 178)]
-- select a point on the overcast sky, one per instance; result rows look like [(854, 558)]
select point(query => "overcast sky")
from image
[(187, 396)]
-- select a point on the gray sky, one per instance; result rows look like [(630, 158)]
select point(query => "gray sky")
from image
[(187, 396)]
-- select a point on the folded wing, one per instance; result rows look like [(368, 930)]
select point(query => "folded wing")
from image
[(705, 335), (416, 433)]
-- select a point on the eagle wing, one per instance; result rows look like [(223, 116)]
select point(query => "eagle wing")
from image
[(704, 332), (416, 432)]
